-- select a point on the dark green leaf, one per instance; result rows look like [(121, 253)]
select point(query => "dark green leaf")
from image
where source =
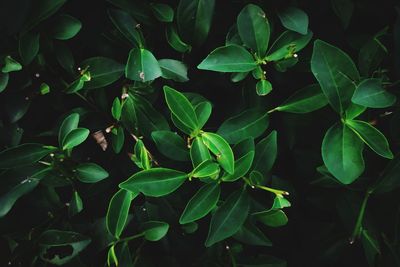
[(28, 47), (252, 235), (142, 66), (203, 112), (3, 81), (24, 154), (103, 71), (126, 25), (74, 138), (207, 168), (116, 109), (199, 151), (154, 230), (175, 41), (10, 65), (69, 123), (221, 149), (117, 138), (65, 27), (294, 19), (390, 179), (91, 173), (369, 93), (163, 12), (266, 152), (272, 218), (173, 70), (171, 145), (75, 205), (344, 10), (263, 87)]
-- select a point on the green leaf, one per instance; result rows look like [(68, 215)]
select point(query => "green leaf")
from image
[(390, 179), (91, 173), (155, 182), (252, 235), (266, 152), (142, 66), (171, 145), (201, 203), (162, 12), (142, 158), (354, 111), (249, 123), (230, 58), (287, 44), (22, 155), (74, 138), (181, 108), (229, 217), (118, 211), (344, 10), (371, 55), (65, 27), (75, 205), (69, 123), (244, 154), (3, 81), (199, 151), (207, 168), (55, 240), (175, 41), (272, 218), (103, 71), (203, 112), (194, 19), (280, 202), (221, 149), (372, 137), (117, 138), (336, 73), (116, 109), (10, 65), (253, 28), (65, 57), (294, 19), (307, 99), (28, 47), (371, 246), (369, 93), (263, 87), (126, 25), (342, 153), (154, 230), (173, 70)]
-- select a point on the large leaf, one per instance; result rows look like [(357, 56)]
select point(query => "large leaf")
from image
[(175, 40), (230, 58), (266, 152), (221, 149), (155, 182), (91, 173), (253, 28), (369, 93), (171, 145), (305, 100), (194, 19), (142, 66), (103, 71), (201, 203), (173, 70), (249, 123), (229, 217), (203, 112), (24, 154), (294, 19), (372, 137), (65, 27), (118, 210), (342, 153), (336, 73), (126, 25)]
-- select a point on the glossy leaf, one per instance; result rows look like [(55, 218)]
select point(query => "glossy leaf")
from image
[(201, 203), (173, 70), (342, 153), (155, 230), (65, 27), (126, 25), (369, 93), (74, 138), (203, 112), (354, 111), (207, 168), (265, 153), (103, 71), (294, 19), (249, 123), (199, 151), (69, 123), (372, 137), (229, 217), (272, 218), (221, 149), (10, 65), (171, 145), (175, 41), (230, 58), (155, 182), (263, 87), (142, 66), (91, 173), (163, 12), (24, 154), (253, 28)]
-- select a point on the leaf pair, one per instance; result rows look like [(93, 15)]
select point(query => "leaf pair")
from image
[(70, 135)]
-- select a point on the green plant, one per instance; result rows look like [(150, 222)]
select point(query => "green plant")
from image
[(147, 148)]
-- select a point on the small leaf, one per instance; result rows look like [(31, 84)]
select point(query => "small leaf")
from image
[(74, 138), (372, 137), (369, 93), (173, 70), (307, 99), (116, 109), (171, 145), (266, 152), (154, 230), (65, 27), (75, 205), (229, 217), (91, 173), (280, 202), (272, 218), (163, 12), (117, 138), (3, 81), (294, 19), (24, 154), (230, 58), (342, 153), (199, 152), (221, 149), (118, 211), (390, 178), (69, 123), (10, 65), (354, 111), (155, 182), (263, 87), (207, 168), (201, 203), (142, 66)]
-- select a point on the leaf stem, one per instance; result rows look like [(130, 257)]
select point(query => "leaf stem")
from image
[(266, 188)]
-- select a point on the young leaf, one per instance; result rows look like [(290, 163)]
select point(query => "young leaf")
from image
[(171, 145), (126, 25), (116, 109), (305, 100), (163, 12), (117, 138), (69, 123), (243, 162), (28, 47), (181, 108), (142, 66), (207, 168), (103, 71), (141, 156), (199, 152), (173, 70), (230, 58), (253, 28), (154, 230), (336, 73), (203, 112), (265, 154), (74, 138), (342, 153), (155, 182), (118, 211), (75, 205), (221, 149), (65, 27), (272, 218), (91, 173), (263, 87), (372, 137), (10, 65), (201, 203), (249, 123), (294, 19), (229, 217), (24, 154), (369, 93)]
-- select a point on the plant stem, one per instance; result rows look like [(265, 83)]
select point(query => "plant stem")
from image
[(358, 227)]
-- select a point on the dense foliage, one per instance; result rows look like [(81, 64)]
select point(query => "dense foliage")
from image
[(199, 133)]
